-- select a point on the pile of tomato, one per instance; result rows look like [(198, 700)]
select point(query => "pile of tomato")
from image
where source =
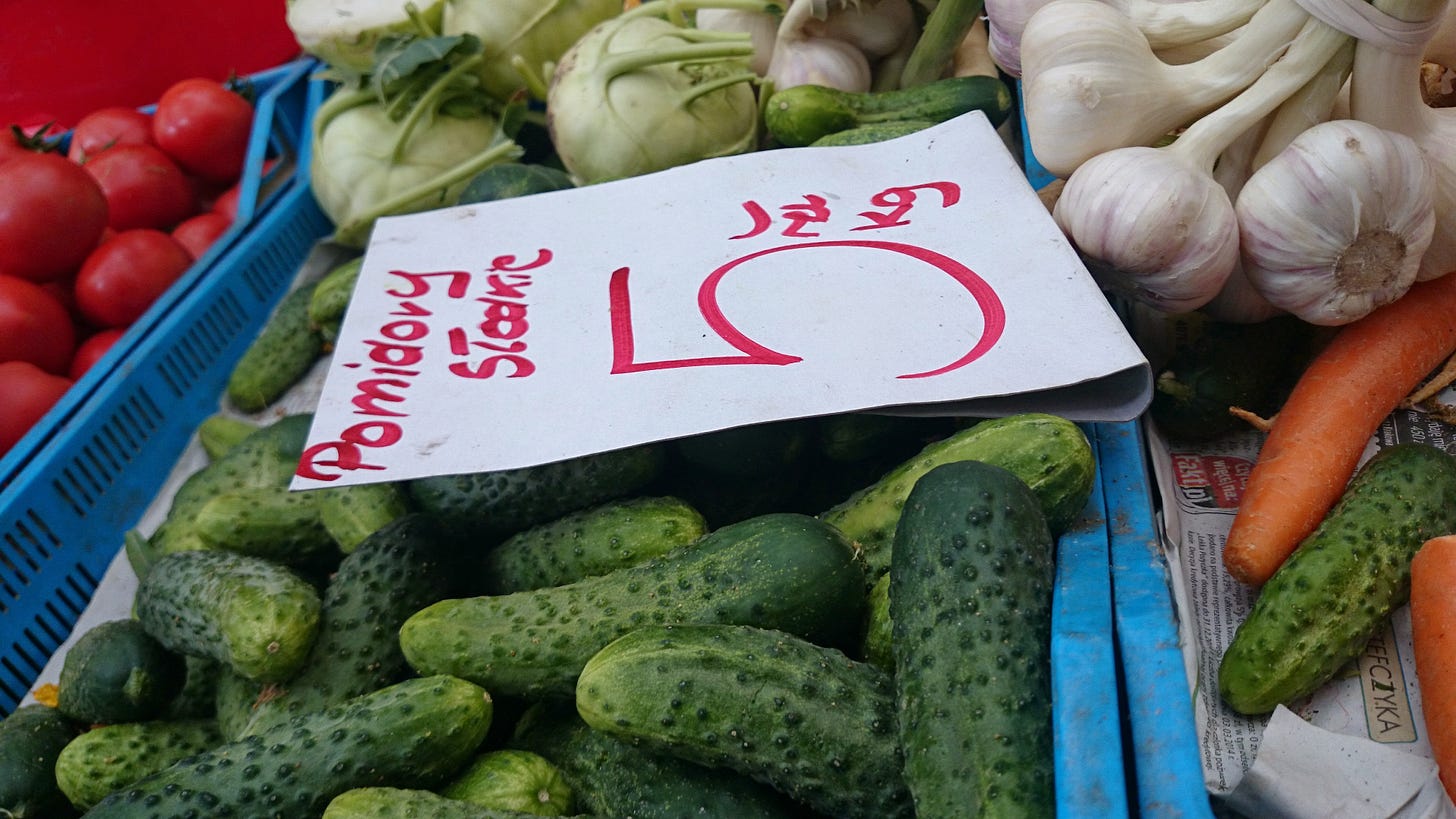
[(98, 224)]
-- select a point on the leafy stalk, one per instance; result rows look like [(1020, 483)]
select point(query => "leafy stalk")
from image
[(431, 102), (625, 63), (945, 28)]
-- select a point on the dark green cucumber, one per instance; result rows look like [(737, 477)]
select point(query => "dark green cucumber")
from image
[(254, 615), (31, 738), (1051, 454), (616, 777), (198, 697), (784, 571), (268, 522), (507, 180), (219, 433), (279, 357), (111, 757), (591, 542), (971, 610), (117, 672), (330, 297), (749, 451), (1335, 590), (799, 717), (862, 436), (497, 504), (803, 114), (394, 573), (352, 513), (413, 734), (410, 803), (514, 780), (878, 627), (874, 132)]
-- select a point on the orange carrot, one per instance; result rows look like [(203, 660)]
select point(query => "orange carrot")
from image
[(1433, 637), (1319, 434)]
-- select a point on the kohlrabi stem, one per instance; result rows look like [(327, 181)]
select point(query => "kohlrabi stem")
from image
[(418, 19), (338, 103), (430, 102), (502, 150), (714, 85), (536, 84), (945, 28), (615, 65)]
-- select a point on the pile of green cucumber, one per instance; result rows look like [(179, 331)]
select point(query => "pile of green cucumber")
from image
[(840, 617)]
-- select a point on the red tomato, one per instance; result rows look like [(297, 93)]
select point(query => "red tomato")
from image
[(143, 187), (51, 214), (34, 326), (92, 349), (108, 127), (198, 233), (205, 127), (121, 278), (29, 394)]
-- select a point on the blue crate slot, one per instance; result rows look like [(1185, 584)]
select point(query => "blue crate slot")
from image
[(1165, 758), (63, 518), (1086, 727)]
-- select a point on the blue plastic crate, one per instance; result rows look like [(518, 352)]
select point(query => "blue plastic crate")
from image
[(63, 517)]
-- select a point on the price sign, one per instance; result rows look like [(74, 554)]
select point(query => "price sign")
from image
[(919, 275)]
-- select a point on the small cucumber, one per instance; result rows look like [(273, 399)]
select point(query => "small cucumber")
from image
[(1051, 454), (394, 573), (874, 132), (268, 522), (802, 114), (616, 777), (1335, 591), (117, 672), (879, 629), (514, 780), (591, 542), (111, 757), (494, 505), (198, 697), (507, 180), (799, 717), (414, 734), (219, 433), (31, 738), (410, 803), (279, 357), (971, 606), (352, 513), (784, 571), (254, 615), (330, 297)]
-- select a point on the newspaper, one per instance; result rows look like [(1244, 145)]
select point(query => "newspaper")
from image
[(1374, 698)]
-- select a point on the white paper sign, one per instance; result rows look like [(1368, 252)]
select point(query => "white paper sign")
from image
[(920, 274)]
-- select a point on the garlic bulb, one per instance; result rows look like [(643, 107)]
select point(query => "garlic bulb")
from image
[(760, 26), (1335, 225), (801, 59), (1092, 83), (878, 28), (1237, 301)]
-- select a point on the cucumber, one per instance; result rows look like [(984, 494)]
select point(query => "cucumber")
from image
[(785, 571), (615, 777), (268, 522), (198, 697), (254, 615), (750, 451), (971, 606), (863, 436), (410, 803), (1051, 454), (219, 433), (279, 357), (111, 757), (878, 627), (874, 132), (117, 672), (804, 719), (1338, 587), (352, 513), (514, 780), (395, 572), (494, 505), (591, 542), (31, 738), (413, 734), (507, 180), (803, 114), (330, 297)]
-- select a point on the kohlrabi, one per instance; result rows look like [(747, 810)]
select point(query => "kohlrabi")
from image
[(344, 33), (523, 40), (645, 91), (408, 137)]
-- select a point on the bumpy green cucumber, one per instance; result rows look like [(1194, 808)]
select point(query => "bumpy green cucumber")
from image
[(117, 672), (507, 180), (279, 357), (31, 738), (394, 573), (219, 433), (268, 522), (1051, 454), (198, 697), (874, 132), (616, 777), (497, 504), (802, 718), (591, 542), (111, 757), (330, 297), (785, 571), (971, 606), (254, 615), (878, 627), (413, 734), (515, 780), (1333, 593), (804, 114), (352, 513), (410, 803)]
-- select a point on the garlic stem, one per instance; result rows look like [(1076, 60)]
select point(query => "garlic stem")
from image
[(1307, 107)]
